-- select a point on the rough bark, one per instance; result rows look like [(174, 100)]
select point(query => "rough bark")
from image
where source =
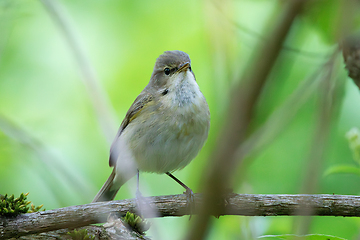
[(176, 205)]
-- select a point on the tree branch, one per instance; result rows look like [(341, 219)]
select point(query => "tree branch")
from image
[(175, 205), (112, 231)]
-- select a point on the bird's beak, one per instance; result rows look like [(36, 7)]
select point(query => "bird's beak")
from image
[(183, 67)]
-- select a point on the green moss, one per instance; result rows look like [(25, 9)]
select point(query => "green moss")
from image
[(82, 234), (11, 206), (136, 223)]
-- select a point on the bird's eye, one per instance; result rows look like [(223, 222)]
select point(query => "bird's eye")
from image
[(167, 71), (190, 69), (165, 92)]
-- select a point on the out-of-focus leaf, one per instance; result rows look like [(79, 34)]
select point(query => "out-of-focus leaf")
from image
[(324, 15), (343, 169), (303, 237), (354, 143)]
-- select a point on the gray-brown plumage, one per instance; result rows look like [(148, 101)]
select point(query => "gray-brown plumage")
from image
[(165, 127)]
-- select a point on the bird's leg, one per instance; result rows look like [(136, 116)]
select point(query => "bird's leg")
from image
[(138, 195), (190, 197)]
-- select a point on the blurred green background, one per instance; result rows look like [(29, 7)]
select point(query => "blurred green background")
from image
[(53, 145)]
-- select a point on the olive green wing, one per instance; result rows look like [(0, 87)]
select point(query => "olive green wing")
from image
[(140, 102)]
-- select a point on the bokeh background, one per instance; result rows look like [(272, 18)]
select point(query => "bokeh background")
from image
[(56, 124)]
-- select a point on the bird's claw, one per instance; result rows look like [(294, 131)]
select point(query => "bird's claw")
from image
[(140, 201), (190, 201)]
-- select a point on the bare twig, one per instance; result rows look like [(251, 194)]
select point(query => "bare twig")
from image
[(176, 205)]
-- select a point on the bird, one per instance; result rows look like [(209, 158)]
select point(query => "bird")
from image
[(163, 130)]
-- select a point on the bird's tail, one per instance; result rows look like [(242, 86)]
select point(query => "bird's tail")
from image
[(109, 190)]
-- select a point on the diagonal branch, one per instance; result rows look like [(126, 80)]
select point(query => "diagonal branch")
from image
[(99, 100), (243, 101), (175, 205)]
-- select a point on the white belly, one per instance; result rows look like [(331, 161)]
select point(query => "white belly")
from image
[(166, 135), (169, 141)]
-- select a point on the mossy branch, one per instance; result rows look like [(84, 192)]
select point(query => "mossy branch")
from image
[(175, 205)]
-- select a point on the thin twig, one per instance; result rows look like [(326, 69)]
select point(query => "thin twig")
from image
[(98, 97), (326, 115)]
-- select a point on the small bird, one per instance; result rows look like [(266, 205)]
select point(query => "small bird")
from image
[(164, 129)]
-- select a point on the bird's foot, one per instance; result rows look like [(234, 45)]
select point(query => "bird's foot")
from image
[(140, 203), (190, 201)]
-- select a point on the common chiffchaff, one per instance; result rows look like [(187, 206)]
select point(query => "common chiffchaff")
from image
[(165, 127)]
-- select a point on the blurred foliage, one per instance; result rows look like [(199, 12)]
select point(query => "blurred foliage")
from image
[(51, 141), (11, 206), (317, 13), (353, 137), (305, 237)]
